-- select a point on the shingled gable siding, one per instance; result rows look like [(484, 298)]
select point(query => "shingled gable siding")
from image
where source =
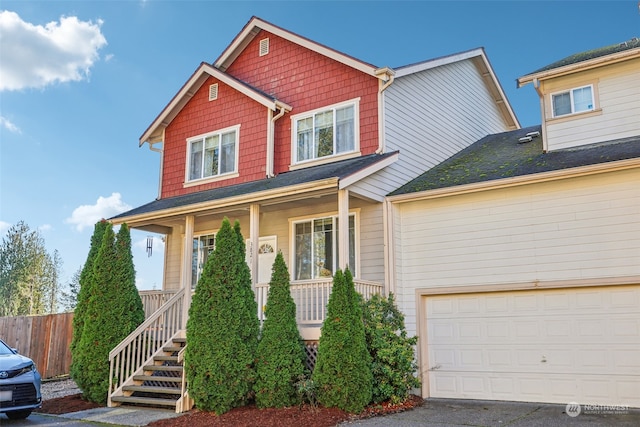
[(201, 116), (306, 81)]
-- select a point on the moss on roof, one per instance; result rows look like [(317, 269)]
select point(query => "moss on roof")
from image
[(592, 54), (502, 156)]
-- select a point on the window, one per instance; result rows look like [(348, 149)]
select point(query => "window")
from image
[(326, 132), (212, 155), (202, 247), (316, 247), (573, 101)]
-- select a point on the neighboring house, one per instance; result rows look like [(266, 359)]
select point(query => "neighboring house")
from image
[(301, 144), (517, 261)]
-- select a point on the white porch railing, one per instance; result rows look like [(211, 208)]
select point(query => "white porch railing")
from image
[(130, 356), (311, 297), (153, 300)]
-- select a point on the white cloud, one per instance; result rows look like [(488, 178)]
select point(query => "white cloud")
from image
[(105, 207), (4, 226), (8, 125), (34, 56)]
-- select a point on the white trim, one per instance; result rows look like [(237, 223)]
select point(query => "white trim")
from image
[(355, 103), (202, 137), (334, 214), (252, 29), (437, 62), (369, 170)]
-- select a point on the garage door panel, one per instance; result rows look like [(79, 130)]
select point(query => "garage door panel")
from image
[(546, 345)]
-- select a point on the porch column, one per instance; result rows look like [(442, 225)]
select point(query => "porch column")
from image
[(343, 230), (254, 240), (187, 256)]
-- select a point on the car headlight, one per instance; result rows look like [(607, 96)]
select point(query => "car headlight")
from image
[(29, 368)]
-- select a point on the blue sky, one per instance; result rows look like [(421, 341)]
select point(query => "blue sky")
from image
[(81, 81)]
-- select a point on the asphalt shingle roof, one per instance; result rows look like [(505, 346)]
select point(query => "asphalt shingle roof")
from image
[(592, 54), (501, 156), (341, 169)]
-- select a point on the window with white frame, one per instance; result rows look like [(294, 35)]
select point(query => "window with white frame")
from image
[(203, 246), (316, 247), (326, 132), (213, 154), (572, 101)]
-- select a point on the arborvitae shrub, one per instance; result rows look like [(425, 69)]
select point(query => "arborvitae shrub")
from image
[(392, 352), (223, 326), (281, 355), (113, 312), (343, 369), (86, 283)]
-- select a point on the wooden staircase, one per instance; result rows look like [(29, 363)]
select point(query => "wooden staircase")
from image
[(161, 383)]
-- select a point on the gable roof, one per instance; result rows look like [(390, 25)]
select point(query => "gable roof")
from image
[(480, 60), (329, 174), (501, 156), (586, 60), (255, 24), (154, 132)]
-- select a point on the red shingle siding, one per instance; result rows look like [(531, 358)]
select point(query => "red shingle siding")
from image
[(306, 80), (201, 116), (292, 74)]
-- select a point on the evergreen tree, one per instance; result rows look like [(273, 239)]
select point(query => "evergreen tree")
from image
[(343, 369), (126, 298), (28, 274), (281, 355), (86, 282), (392, 352), (223, 327), (113, 311)]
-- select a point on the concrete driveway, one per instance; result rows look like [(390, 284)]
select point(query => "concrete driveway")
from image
[(455, 412)]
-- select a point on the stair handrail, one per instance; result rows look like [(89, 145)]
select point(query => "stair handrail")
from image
[(138, 347)]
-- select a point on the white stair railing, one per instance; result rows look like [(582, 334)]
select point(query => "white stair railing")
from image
[(128, 358), (153, 300)]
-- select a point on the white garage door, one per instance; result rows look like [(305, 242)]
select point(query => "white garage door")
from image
[(571, 345)]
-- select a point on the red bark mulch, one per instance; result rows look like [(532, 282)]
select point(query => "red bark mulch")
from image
[(246, 416)]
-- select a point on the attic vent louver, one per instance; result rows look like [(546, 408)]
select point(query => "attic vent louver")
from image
[(534, 134), (525, 139), (213, 92), (264, 47)]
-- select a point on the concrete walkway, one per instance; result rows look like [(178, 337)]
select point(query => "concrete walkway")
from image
[(454, 412)]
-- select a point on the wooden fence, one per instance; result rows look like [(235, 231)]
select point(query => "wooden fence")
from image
[(45, 339)]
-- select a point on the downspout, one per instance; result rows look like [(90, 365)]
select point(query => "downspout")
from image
[(386, 76), (271, 139), (161, 151), (543, 113)]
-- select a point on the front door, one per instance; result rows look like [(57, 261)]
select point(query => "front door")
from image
[(266, 256)]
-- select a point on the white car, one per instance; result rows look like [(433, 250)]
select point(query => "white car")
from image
[(19, 384)]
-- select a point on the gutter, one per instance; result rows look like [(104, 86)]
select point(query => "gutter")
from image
[(161, 151), (497, 184), (256, 197)]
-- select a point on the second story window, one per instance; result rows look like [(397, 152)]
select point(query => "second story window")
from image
[(572, 101), (326, 132), (212, 154)]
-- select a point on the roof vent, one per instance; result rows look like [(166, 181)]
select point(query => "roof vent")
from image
[(525, 139), (534, 134), (264, 47), (213, 92)]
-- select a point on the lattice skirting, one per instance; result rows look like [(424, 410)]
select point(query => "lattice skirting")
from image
[(311, 348)]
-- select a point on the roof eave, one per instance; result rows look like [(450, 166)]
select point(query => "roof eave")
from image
[(580, 66), (517, 181), (254, 26), (154, 132)]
